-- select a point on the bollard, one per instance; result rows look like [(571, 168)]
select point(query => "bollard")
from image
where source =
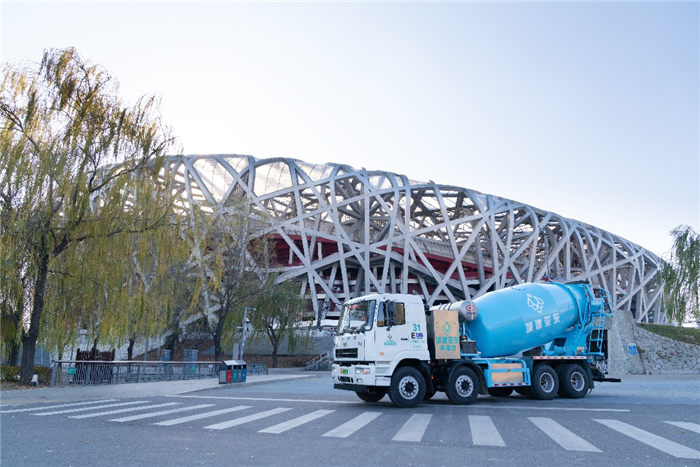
[(35, 380)]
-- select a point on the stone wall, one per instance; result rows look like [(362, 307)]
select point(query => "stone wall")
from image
[(655, 354), (620, 335), (663, 355)]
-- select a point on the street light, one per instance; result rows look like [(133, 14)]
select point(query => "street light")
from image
[(243, 328)]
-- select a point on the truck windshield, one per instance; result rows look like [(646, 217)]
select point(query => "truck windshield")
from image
[(356, 316)]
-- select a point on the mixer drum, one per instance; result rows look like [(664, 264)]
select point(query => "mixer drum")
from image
[(524, 316)]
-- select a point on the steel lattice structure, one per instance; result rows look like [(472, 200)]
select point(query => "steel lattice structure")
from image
[(344, 232)]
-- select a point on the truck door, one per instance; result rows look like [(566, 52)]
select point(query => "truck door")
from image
[(392, 332)]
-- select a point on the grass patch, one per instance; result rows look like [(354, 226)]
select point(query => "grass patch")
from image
[(687, 335)]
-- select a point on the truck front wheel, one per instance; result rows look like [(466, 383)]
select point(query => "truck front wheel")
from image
[(545, 383), (463, 386), (375, 396), (407, 387)]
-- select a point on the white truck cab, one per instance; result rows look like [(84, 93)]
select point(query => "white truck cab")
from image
[(375, 334)]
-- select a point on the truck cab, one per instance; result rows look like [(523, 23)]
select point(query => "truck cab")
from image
[(377, 333)]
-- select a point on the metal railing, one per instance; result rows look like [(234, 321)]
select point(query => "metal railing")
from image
[(84, 373), (320, 362)]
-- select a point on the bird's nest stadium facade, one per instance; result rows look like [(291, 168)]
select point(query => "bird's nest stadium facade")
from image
[(343, 232)]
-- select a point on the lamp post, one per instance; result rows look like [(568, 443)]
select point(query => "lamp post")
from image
[(243, 328)]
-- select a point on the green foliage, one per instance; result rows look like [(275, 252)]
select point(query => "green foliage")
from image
[(83, 196), (279, 314), (12, 373), (681, 276), (681, 334), (229, 256)]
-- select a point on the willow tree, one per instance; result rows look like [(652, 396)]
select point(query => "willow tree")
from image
[(279, 313), (77, 172), (681, 276), (230, 256)]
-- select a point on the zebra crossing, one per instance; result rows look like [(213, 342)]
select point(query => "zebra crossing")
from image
[(412, 426)]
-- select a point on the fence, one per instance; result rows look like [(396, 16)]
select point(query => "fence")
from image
[(84, 373)]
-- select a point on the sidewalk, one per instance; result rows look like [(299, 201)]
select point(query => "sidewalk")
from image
[(160, 388)]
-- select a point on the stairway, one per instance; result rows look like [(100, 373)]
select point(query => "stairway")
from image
[(595, 340), (320, 362)]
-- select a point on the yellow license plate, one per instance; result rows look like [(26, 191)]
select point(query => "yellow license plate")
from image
[(344, 371)]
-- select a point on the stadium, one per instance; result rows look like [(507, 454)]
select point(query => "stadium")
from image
[(343, 232)]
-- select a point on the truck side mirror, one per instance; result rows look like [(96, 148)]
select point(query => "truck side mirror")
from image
[(381, 318), (391, 314)]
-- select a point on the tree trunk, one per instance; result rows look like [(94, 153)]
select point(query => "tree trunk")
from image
[(13, 354), (217, 338), (274, 356), (130, 349), (14, 346), (275, 341), (32, 335)]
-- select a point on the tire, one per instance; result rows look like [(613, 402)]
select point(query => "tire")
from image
[(463, 386), (407, 387), (372, 396), (500, 392), (545, 383), (573, 381)]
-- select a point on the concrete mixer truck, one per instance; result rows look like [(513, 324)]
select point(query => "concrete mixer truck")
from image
[(540, 340)]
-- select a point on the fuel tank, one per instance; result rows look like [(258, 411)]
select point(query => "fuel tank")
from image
[(525, 316)]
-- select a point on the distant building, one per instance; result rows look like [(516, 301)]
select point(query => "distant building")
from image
[(344, 232)]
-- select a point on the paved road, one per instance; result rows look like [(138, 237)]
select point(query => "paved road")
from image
[(297, 419)]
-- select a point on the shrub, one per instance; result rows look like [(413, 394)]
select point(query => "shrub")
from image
[(12, 373)]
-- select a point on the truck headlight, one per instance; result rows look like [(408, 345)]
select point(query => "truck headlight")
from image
[(361, 371)]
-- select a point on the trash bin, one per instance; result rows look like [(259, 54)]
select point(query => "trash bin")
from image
[(232, 371)]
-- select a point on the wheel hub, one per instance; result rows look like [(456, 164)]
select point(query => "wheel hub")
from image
[(547, 383), (464, 386), (577, 381), (408, 387)]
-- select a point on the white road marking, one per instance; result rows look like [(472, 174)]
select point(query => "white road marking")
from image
[(518, 407), (269, 399), (200, 416), (295, 422), (348, 428), (650, 439), (484, 432), (131, 409), (686, 426), (414, 428), (242, 420), (90, 408), (562, 436), (58, 406), (358, 402), (162, 412)]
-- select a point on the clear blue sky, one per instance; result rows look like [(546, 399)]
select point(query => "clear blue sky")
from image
[(590, 110)]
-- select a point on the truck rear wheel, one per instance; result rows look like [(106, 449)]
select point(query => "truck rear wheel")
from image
[(372, 396), (545, 383), (573, 381), (463, 386), (407, 387)]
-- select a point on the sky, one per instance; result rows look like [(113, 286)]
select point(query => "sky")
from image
[(590, 110)]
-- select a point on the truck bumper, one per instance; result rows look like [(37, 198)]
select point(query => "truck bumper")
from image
[(360, 376), (355, 387)]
